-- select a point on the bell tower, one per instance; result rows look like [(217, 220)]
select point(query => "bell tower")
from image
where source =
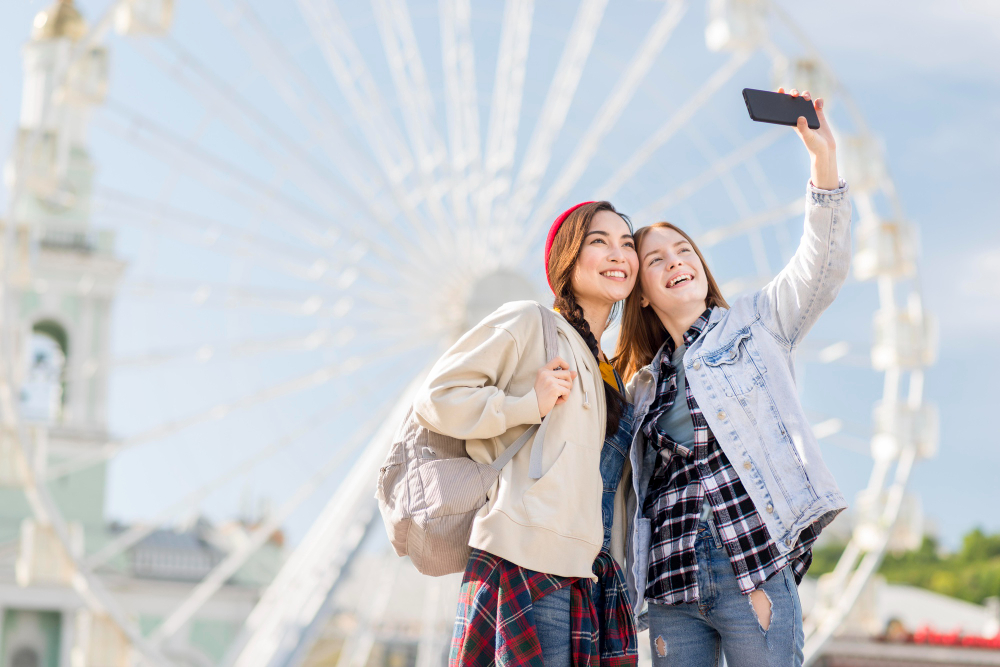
[(66, 275)]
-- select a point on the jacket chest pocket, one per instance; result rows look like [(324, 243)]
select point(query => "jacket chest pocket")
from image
[(737, 367)]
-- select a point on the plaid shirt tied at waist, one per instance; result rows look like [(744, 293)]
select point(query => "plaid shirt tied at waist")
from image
[(496, 626), (682, 478)]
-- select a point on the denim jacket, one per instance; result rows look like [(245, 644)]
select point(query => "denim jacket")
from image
[(741, 371)]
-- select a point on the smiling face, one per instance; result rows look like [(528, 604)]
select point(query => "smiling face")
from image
[(606, 269), (671, 275)]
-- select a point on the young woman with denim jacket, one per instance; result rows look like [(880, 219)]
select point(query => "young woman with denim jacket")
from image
[(545, 582), (730, 490)]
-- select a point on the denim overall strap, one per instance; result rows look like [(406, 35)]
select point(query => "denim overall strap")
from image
[(613, 455)]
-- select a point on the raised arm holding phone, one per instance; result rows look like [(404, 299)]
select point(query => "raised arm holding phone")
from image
[(729, 486)]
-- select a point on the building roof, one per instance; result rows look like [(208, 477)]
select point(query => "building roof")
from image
[(60, 20)]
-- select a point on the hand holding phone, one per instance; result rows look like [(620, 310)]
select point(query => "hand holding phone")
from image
[(814, 131), (765, 106)]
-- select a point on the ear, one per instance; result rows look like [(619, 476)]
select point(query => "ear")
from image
[(643, 302)]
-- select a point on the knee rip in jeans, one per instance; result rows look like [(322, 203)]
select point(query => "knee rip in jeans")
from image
[(761, 604), (661, 646)]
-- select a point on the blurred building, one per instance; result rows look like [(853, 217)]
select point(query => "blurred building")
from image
[(63, 289)]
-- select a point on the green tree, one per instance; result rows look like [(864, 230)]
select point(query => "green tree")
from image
[(972, 573)]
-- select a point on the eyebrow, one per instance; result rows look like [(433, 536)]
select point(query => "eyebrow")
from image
[(604, 233), (656, 250)]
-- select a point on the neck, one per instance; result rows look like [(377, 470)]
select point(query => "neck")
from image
[(678, 321), (597, 316)]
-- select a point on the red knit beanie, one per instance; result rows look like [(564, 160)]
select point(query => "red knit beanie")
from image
[(553, 230)]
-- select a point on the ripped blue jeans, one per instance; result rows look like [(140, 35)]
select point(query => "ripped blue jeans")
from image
[(724, 621)]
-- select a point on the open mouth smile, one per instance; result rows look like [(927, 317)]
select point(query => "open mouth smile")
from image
[(615, 274), (679, 279)]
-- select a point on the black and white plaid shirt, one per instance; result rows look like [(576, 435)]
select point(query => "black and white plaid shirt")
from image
[(681, 480)]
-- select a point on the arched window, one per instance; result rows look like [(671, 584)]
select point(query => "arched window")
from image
[(43, 390), (25, 657)]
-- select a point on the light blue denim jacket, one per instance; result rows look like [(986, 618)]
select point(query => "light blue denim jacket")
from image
[(741, 371)]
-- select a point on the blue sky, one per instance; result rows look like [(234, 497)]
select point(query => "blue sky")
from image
[(925, 80)]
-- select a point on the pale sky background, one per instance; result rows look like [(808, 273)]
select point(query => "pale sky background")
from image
[(927, 80)]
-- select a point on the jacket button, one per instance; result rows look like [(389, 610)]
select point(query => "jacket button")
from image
[(732, 353), (721, 415), (770, 508), (697, 365), (789, 543), (747, 465)]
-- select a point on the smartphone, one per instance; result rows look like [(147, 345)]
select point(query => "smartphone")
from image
[(778, 108)]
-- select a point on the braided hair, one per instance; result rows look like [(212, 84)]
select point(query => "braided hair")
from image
[(566, 247)]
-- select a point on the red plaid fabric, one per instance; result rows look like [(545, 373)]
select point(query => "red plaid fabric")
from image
[(496, 626), (681, 479)]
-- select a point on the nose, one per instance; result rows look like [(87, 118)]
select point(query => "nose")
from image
[(616, 254)]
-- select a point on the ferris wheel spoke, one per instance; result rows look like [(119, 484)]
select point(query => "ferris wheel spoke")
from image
[(718, 79), (312, 177), (238, 185), (403, 54), (556, 105), (773, 216), (606, 119), (221, 573), (301, 96), (117, 209), (354, 79), (321, 337), (298, 384), (372, 114), (458, 59), (724, 165), (505, 109), (193, 499), (314, 304)]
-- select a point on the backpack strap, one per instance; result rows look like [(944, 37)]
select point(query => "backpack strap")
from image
[(550, 339)]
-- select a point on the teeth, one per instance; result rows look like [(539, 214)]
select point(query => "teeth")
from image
[(615, 274), (679, 279)]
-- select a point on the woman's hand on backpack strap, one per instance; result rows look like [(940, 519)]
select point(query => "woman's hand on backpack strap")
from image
[(553, 384)]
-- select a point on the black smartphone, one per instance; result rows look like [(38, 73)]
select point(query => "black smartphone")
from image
[(778, 108)]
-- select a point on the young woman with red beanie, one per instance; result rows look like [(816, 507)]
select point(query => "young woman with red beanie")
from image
[(545, 582)]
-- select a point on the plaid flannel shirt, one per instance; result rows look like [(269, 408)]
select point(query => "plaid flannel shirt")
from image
[(681, 479), (495, 624)]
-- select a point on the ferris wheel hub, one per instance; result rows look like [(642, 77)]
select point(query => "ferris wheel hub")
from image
[(492, 291)]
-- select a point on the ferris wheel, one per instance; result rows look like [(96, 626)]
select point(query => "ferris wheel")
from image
[(323, 196)]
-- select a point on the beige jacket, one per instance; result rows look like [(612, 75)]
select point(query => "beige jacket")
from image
[(482, 391)]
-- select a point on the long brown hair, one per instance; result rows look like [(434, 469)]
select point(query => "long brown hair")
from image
[(566, 247), (642, 334)]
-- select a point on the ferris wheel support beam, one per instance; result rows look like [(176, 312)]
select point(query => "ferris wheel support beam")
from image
[(555, 107), (505, 108), (193, 499), (821, 634), (297, 594), (607, 117), (229, 566), (301, 383), (458, 61)]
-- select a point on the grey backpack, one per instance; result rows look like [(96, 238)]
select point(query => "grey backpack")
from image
[(429, 490)]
